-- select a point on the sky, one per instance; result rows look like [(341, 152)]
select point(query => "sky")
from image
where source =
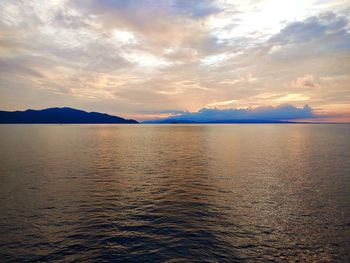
[(147, 59)]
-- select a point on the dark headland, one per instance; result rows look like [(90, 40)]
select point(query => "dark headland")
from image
[(60, 116)]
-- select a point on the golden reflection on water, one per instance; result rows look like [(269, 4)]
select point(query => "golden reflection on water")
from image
[(161, 192)]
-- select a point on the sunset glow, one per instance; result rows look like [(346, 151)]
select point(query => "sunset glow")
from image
[(150, 59)]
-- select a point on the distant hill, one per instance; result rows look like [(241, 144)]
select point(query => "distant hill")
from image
[(176, 121), (59, 115), (169, 121)]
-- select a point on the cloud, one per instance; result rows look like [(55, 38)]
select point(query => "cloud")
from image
[(269, 113), (306, 81), (324, 25), (158, 23), (194, 8), (320, 35), (147, 56)]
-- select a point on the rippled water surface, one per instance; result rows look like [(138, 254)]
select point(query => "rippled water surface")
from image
[(176, 193)]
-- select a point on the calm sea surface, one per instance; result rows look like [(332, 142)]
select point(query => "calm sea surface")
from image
[(175, 193)]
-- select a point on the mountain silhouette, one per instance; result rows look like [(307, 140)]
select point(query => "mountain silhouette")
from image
[(233, 121), (59, 115)]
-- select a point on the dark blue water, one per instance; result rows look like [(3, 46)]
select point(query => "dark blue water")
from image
[(175, 193)]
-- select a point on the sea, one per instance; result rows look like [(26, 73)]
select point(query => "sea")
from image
[(175, 193)]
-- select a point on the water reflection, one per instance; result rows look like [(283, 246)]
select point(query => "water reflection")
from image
[(175, 192)]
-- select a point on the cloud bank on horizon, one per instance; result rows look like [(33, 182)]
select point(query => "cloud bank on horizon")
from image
[(145, 59), (267, 113)]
